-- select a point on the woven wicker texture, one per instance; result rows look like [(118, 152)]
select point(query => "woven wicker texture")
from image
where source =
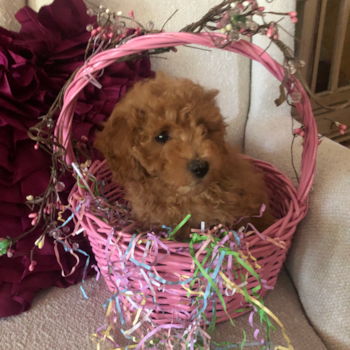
[(291, 208), (270, 253)]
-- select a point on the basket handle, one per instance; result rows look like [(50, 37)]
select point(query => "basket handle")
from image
[(93, 67)]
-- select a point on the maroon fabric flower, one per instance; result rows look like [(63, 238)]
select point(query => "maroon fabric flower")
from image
[(34, 65)]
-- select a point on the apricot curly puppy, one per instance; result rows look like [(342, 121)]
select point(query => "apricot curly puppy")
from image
[(164, 143)]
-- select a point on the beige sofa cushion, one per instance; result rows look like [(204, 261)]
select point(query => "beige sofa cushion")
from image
[(62, 319), (36, 4), (319, 259), (8, 8)]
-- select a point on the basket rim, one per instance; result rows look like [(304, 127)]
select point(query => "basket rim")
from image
[(161, 40)]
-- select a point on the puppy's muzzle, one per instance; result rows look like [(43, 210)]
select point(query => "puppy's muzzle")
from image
[(198, 167)]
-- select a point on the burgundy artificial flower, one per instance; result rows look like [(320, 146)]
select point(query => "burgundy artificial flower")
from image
[(34, 65)]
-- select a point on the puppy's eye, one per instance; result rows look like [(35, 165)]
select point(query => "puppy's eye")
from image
[(163, 137)]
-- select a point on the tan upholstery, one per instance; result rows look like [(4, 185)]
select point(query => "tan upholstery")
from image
[(37, 4), (320, 256), (7, 10)]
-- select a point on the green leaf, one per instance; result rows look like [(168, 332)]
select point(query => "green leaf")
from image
[(244, 339)]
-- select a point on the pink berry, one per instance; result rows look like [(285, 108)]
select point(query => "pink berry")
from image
[(296, 131), (110, 35), (36, 146), (270, 32), (261, 8), (242, 30), (31, 266), (293, 14), (302, 133), (294, 19), (249, 35), (276, 36), (93, 33), (104, 37), (342, 132), (224, 22), (34, 221), (99, 29), (33, 215), (343, 127), (131, 14)]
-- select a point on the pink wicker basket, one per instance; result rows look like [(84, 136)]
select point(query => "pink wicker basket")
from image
[(174, 260)]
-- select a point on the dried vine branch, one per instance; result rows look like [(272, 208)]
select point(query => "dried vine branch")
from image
[(213, 16)]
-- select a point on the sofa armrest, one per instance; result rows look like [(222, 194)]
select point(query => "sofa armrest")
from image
[(319, 258)]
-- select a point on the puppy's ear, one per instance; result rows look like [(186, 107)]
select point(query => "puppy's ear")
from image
[(211, 94), (115, 142)]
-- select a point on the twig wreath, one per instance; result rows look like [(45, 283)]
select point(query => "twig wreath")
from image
[(222, 273)]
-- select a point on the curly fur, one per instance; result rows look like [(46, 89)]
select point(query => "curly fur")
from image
[(156, 176)]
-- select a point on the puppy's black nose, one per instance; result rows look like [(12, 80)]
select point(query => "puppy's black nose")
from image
[(199, 167)]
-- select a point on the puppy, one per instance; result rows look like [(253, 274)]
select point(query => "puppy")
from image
[(165, 144)]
